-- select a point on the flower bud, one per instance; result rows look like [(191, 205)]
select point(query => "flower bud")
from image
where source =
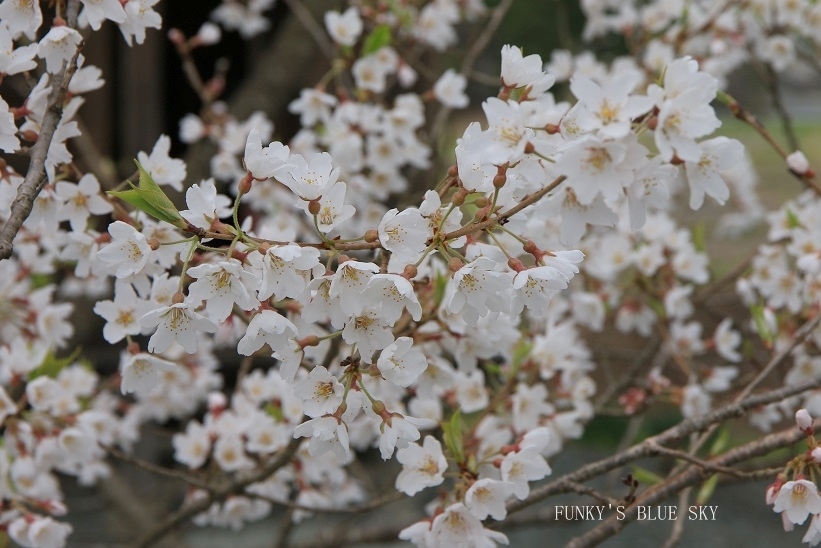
[(515, 264), (499, 180), (310, 340), (481, 201), (803, 420), (531, 247), (798, 163), (409, 272), (314, 207), (177, 298), (552, 129), (453, 171), (264, 247), (529, 148), (378, 407), (154, 244), (455, 264), (459, 196), (245, 184), (816, 455), (371, 236)]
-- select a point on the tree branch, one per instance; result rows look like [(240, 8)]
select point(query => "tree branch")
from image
[(470, 59), (646, 447), (691, 476), (313, 27), (36, 178), (216, 494)]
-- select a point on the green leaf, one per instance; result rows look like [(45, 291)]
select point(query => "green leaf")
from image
[(439, 285), (707, 489), (379, 37), (52, 365), (792, 219), (645, 476), (757, 311), (721, 442), (520, 353), (151, 199), (699, 234), (275, 411), (453, 436)]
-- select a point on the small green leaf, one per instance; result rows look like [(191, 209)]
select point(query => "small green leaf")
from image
[(275, 411), (379, 37), (757, 311), (645, 476), (453, 436), (721, 442), (792, 219), (707, 489), (151, 199), (440, 283), (520, 353), (699, 234), (52, 365)]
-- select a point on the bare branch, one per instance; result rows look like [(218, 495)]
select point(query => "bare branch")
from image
[(645, 448), (691, 476), (159, 470), (36, 178), (780, 109), (470, 59), (215, 495), (316, 31), (678, 525)]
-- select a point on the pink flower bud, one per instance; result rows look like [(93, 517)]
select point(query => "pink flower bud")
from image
[(816, 454), (803, 420)]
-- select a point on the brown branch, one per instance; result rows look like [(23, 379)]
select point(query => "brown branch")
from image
[(316, 31), (691, 476), (367, 507), (36, 177), (705, 465), (472, 55), (645, 448), (780, 109), (803, 332), (217, 494), (742, 114), (678, 525)]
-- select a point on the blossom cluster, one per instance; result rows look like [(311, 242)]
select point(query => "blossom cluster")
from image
[(446, 334)]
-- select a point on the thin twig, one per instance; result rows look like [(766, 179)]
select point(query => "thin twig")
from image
[(780, 109), (36, 177), (705, 465), (472, 55), (678, 526), (215, 495), (645, 448), (316, 31), (581, 489), (159, 470), (367, 507), (286, 524), (800, 336), (671, 486), (803, 332)]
